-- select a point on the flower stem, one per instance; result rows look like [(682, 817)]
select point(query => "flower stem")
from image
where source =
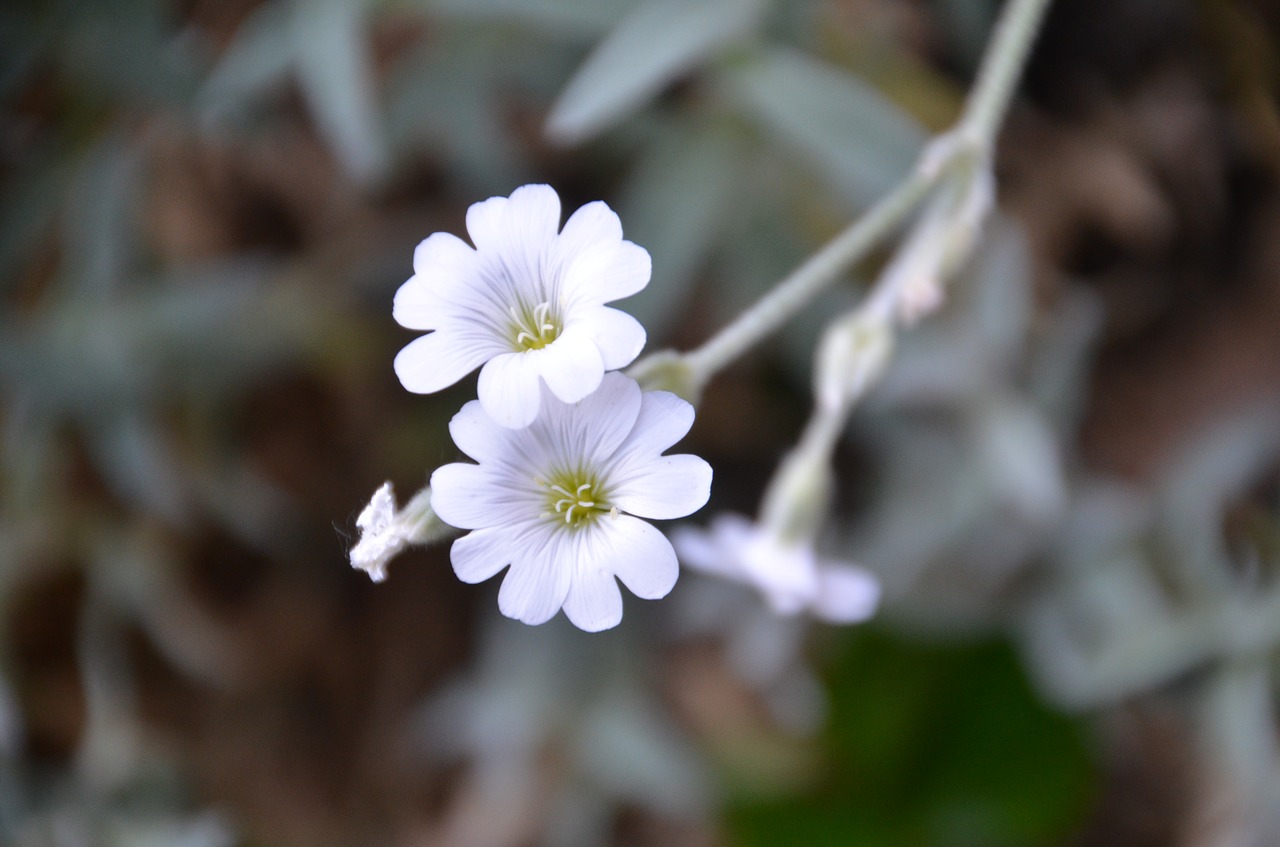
[(773, 310), (1002, 65), (971, 142)]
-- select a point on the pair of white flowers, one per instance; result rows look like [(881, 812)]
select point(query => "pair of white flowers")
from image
[(570, 454)]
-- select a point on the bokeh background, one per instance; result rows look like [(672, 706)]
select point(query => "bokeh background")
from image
[(1069, 480)]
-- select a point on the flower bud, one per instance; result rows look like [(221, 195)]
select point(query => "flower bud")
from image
[(385, 531), (852, 355)]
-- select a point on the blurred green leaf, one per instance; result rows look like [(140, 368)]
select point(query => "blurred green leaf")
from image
[(674, 205), (210, 329), (555, 17), (335, 69), (933, 746), (124, 51), (257, 59), (848, 130), (653, 46), (447, 93), (137, 461), (99, 226), (324, 42)]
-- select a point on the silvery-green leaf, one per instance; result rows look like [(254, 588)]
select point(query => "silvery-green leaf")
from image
[(137, 461), (997, 286), (554, 17), (674, 205), (1198, 485), (88, 358), (654, 45), (99, 224), (335, 70), (849, 131), (258, 59), (1021, 459), (627, 749), (1058, 367), (447, 95)]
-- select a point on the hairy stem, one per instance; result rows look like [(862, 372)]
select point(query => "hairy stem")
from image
[(971, 143)]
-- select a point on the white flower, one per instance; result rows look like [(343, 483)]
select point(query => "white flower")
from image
[(790, 576), (527, 303), (557, 501)]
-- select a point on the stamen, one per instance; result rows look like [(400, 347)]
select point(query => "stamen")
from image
[(576, 505), (534, 329)]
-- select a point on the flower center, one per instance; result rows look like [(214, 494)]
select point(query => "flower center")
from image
[(575, 500), (533, 328)]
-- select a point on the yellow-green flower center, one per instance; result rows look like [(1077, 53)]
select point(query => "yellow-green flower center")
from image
[(533, 328), (576, 500)]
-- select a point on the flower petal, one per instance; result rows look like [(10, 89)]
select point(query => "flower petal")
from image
[(663, 420), (536, 585), (845, 594), (475, 434), (510, 390), (697, 549), (605, 272), (527, 219), (665, 488), (439, 359), (617, 335), (594, 602), (481, 554), (591, 225), (784, 573), (439, 251), (639, 554), (476, 496), (570, 366), (591, 430), (418, 306)]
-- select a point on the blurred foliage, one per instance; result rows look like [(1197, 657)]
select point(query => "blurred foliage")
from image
[(205, 208), (930, 745)]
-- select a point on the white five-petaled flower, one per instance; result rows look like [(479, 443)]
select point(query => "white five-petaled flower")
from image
[(789, 575), (561, 500), (527, 304)]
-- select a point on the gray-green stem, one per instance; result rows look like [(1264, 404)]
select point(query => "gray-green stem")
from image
[(973, 140)]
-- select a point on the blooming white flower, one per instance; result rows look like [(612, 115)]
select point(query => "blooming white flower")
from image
[(527, 303), (558, 501), (789, 575)]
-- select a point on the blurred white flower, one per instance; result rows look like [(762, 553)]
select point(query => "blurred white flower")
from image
[(556, 501), (527, 304), (789, 575)]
